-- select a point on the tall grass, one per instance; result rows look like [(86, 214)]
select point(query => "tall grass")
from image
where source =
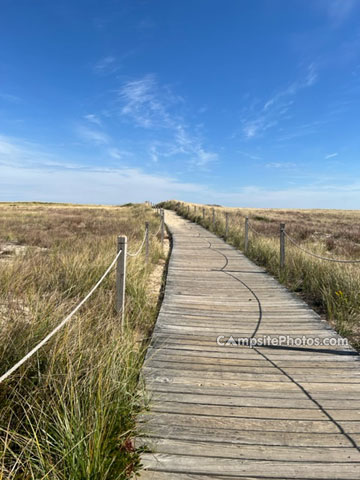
[(332, 289), (69, 412)]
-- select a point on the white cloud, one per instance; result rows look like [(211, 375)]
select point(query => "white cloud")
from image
[(192, 146), (10, 98), (311, 77), (110, 186), (276, 108), (7, 148), (27, 173), (106, 65), (309, 80), (346, 196), (249, 155), (116, 186), (118, 154), (251, 129), (92, 118), (338, 10), (280, 165), (154, 153), (150, 106), (146, 103), (258, 126), (331, 155), (21, 153), (92, 135)]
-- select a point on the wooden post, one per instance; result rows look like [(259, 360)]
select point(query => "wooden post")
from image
[(282, 245), (147, 242), (121, 276), (226, 225), (162, 227), (188, 209), (195, 208), (246, 234), (203, 213), (213, 217)]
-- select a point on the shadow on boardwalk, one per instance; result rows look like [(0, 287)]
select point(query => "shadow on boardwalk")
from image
[(225, 412)]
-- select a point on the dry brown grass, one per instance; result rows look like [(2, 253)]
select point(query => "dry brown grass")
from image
[(333, 289), (70, 411)]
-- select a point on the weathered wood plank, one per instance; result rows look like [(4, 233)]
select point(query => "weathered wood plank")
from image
[(281, 412), (254, 452), (239, 467), (257, 438)]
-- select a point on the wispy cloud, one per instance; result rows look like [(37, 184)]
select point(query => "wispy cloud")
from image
[(304, 129), (249, 155), (101, 186), (118, 154), (331, 155), (92, 118), (294, 87), (147, 104), (346, 195), (183, 146), (7, 97), (27, 173), (190, 145), (280, 165), (106, 65), (92, 135), (151, 106), (277, 107), (15, 152), (338, 10)]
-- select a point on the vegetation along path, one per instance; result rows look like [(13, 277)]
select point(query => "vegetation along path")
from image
[(281, 411)]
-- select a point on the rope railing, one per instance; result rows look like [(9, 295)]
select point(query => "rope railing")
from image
[(317, 255), (263, 234), (253, 229), (61, 324), (283, 235), (145, 240), (157, 231), (120, 260), (140, 248)]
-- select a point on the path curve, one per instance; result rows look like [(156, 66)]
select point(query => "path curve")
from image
[(225, 412)]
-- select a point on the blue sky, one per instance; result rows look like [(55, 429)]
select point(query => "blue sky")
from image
[(243, 103)]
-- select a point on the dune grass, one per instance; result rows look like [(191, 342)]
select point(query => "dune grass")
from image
[(333, 289), (69, 412)]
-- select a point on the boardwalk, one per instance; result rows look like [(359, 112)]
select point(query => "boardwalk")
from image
[(225, 412)]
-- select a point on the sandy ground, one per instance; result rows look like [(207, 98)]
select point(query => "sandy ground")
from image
[(8, 251), (157, 274)]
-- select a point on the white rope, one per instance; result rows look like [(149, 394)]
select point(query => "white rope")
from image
[(253, 229), (139, 250), (319, 256), (56, 329), (158, 231)]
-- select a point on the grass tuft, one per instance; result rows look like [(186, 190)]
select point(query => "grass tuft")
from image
[(332, 289), (69, 412)]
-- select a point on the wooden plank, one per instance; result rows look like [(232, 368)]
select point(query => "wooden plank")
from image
[(156, 475), (254, 401), (219, 412), (239, 467), (246, 437), (253, 452)]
